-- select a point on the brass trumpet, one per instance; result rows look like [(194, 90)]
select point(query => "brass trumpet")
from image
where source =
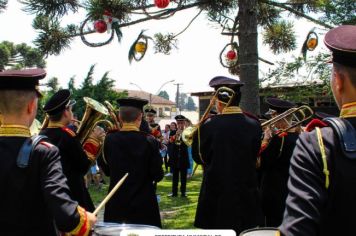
[(293, 117), (178, 136), (221, 94)]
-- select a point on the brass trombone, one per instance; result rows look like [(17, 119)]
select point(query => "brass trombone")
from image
[(221, 94), (293, 117)]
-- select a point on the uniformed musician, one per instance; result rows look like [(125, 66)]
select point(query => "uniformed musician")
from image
[(76, 161), (137, 153), (274, 163), (179, 159), (227, 145), (154, 127), (321, 199), (35, 198)]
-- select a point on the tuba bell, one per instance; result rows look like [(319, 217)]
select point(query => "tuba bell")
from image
[(92, 117)]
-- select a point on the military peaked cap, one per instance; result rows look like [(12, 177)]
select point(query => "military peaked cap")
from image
[(279, 105), (222, 81), (58, 102), (180, 118), (342, 42), (27, 79), (132, 102)]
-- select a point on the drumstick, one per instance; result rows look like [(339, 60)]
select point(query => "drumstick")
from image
[(107, 198), (195, 169)]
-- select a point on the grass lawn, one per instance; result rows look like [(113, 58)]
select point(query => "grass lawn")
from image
[(177, 212)]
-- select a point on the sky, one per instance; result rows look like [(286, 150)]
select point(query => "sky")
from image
[(193, 64)]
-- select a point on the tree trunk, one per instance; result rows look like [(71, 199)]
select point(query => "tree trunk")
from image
[(248, 55)]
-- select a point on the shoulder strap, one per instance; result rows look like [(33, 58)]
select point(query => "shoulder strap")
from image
[(69, 131), (26, 150), (323, 156), (346, 135)]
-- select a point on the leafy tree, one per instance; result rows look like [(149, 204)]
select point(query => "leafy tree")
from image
[(19, 56), (101, 91), (3, 4), (191, 104), (239, 19), (182, 101), (53, 84), (163, 94)]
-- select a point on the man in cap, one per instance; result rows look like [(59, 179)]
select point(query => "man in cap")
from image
[(75, 160), (321, 199), (227, 145), (275, 154), (154, 127), (35, 199), (179, 159), (137, 153)]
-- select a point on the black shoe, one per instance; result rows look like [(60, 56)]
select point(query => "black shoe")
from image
[(183, 195), (172, 195)]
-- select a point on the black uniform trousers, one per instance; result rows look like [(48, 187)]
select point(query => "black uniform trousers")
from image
[(182, 174), (179, 163)]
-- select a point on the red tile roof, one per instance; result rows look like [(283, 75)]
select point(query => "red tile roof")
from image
[(145, 95)]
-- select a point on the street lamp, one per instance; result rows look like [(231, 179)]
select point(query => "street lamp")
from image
[(137, 86), (159, 90)]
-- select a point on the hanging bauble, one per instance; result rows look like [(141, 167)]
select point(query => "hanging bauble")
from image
[(231, 55), (162, 3), (312, 43), (140, 47), (100, 26)]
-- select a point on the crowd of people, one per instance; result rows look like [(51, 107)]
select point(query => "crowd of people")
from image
[(297, 180)]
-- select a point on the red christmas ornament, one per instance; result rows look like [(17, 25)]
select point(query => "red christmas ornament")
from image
[(162, 3), (100, 26), (231, 55)]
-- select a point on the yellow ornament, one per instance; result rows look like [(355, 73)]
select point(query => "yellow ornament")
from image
[(140, 47), (312, 43)]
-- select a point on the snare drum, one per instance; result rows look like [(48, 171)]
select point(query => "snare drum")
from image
[(114, 229), (268, 231)]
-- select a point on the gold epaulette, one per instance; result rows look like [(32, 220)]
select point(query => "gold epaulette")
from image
[(69, 131)]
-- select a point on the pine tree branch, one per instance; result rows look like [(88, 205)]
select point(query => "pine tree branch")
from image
[(167, 12), (181, 32), (298, 13)]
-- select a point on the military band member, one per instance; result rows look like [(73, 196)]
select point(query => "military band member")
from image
[(274, 163), (321, 199), (35, 199), (137, 153), (227, 145), (75, 160), (179, 159), (150, 117)]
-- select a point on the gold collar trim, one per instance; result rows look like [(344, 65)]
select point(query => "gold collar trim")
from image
[(348, 110), (55, 125), (15, 131), (232, 110), (129, 127)]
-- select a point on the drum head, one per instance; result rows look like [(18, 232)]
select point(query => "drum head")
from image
[(261, 232), (114, 229)]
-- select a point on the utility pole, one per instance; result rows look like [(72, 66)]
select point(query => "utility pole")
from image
[(178, 95)]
